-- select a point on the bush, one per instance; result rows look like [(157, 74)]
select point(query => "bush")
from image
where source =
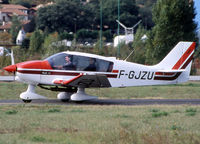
[(66, 35), (85, 34)]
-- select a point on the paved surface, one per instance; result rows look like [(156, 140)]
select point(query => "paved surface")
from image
[(111, 102)]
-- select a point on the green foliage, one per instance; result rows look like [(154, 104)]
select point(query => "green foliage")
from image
[(108, 35), (25, 43), (125, 50), (38, 139), (191, 112), (173, 23), (175, 127), (51, 45), (159, 114), (77, 111), (36, 41), (25, 3), (85, 34), (5, 1), (11, 112), (139, 46), (154, 110), (128, 13), (146, 12), (64, 15), (4, 60), (16, 26), (66, 35), (54, 110)]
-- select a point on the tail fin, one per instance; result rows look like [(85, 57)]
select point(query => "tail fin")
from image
[(179, 60), (179, 57)]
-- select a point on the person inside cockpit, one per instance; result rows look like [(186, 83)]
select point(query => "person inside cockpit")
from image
[(92, 65), (68, 64)]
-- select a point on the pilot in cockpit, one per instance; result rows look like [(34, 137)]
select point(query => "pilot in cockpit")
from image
[(68, 65)]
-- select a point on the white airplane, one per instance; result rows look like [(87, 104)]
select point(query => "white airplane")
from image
[(71, 72)]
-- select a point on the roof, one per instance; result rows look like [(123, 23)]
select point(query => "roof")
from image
[(12, 6), (9, 24), (13, 11), (6, 26)]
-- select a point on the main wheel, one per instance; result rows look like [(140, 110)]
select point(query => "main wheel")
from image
[(65, 100), (26, 101)]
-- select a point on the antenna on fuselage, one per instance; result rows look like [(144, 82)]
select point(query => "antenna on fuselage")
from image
[(129, 55)]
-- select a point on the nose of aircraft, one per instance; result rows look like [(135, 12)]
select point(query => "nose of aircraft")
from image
[(28, 65), (10, 68)]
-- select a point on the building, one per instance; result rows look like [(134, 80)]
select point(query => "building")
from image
[(7, 11)]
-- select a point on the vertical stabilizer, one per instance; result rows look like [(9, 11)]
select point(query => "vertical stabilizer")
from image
[(179, 57)]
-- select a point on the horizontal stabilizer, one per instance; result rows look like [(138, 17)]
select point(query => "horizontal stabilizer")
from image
[(171, 71)]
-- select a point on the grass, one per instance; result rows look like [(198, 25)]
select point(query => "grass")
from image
[(188, 90), (35, 124), (73, 124)]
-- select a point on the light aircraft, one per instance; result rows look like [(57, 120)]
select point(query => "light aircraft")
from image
[(71, 72)]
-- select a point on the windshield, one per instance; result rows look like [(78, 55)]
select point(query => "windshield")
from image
[(62, 61)]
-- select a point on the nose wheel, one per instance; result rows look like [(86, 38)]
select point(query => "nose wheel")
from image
[(30, 94)]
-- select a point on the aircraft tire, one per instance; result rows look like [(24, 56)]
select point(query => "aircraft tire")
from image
[(65, 100), (26, 101)]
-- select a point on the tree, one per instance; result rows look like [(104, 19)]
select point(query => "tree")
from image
[(5, 38), (139, 46), (36, 41), (5, 1), (173, 23), (128, 13), (16, 26), (65, 35), (25, 3), (50, 45), (65, 15)]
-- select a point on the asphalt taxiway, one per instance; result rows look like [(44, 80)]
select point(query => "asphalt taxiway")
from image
[(128, 102)]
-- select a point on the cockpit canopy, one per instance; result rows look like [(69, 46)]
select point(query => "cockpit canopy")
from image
[(63, 61)]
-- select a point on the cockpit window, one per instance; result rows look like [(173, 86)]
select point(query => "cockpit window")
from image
[(64, 61)]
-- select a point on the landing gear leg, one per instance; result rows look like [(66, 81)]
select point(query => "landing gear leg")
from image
[(81, 95), (30, 94)]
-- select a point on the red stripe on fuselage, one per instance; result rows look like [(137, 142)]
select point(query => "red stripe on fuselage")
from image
[(58, 73), (164, 73), (115, 71)]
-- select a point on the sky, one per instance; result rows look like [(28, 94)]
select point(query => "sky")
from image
[(197, 10)]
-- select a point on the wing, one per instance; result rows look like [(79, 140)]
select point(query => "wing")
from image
[(95, 80)]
